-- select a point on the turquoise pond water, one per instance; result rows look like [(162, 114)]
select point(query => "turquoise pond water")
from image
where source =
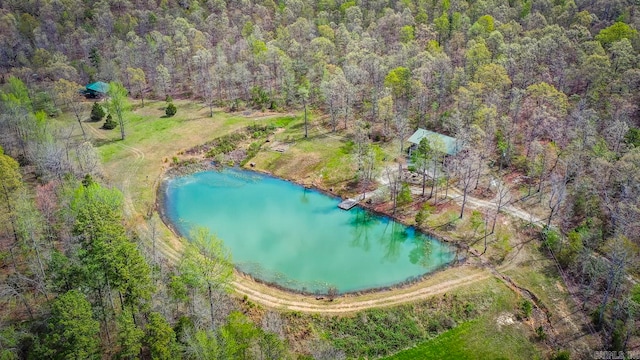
[(298, 238)]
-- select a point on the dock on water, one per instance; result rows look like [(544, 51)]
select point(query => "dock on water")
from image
[(348, 204)]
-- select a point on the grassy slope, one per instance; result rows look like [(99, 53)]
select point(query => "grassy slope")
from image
[(158, 138), (476, 339), (469, 313), (483, 337), (311, 160)]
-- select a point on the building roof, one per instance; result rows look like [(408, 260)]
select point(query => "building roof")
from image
[(99, 87), (452, 145)]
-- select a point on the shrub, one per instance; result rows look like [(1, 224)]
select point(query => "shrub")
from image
[(97, 112), (527, 308), (251, 152), (88, 180), (448, 322), (332, 292), (42, 101), (520, 162), (452, 219), (260, 97), (633, 137), (469, 309), (618, 336), (635, 294), (502, 244), (109, 124), (404, 197), (171, 110), (551, 238), (434, 326), (237, 105), (562, 355), (424, 213)]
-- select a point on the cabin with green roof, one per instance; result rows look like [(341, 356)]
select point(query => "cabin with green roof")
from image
[(451, 145), (96, 89)]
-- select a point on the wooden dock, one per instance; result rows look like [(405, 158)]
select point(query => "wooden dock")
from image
[(348, 204)]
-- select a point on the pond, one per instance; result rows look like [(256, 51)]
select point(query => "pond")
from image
[(280, 232)]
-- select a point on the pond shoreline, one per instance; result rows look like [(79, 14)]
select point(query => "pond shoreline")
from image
[(209, 165)]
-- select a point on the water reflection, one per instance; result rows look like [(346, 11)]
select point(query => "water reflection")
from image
[(278, 278), (298, 238), (323, 210), (393, 236), (304, 199), (421, 253), (363, 223)]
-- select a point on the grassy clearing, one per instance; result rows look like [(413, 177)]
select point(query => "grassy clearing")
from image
[(487, 336), (153, 141), (466, 318), (313, 160), (158, 139), (538, 275), (476, 339)]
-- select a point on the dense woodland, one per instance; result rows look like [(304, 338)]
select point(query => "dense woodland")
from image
[(545, 89)]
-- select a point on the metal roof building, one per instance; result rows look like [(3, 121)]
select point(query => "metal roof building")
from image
[(452, 145), (98, 88)]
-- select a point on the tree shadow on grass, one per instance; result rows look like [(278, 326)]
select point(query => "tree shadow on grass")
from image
[(447, 226), (297, 126), (340, 181), (314, 132), (187, 119), (102, 141)]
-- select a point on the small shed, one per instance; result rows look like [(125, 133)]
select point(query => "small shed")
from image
[(96, 89), (451, 145)]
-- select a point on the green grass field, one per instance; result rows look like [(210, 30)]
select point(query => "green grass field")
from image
[(489, 336), (477, 321), (476, 339), (152, 140)]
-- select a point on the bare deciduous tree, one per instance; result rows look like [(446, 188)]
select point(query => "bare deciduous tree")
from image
[(272, 322), (321, 350), (467, 168), (556, 195), (203, 61), (502, 198), (88, 159), (67, 92)]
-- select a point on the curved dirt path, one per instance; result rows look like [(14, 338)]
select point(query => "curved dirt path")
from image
[(436, 284), (351, 303), (133, 167), (124, 184), (457, 195)]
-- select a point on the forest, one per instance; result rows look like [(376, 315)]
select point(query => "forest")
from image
[(545, 91)]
